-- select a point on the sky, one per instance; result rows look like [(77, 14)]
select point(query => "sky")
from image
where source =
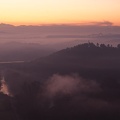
[(37, 12)]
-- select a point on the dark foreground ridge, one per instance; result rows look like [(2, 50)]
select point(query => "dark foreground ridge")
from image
[(82, 82)]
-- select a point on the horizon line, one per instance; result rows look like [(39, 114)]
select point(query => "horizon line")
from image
[(63, 24)]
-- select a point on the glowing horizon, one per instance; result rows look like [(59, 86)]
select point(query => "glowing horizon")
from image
[(37, 12)]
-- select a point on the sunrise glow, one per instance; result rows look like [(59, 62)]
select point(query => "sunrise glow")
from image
[(38, 12)]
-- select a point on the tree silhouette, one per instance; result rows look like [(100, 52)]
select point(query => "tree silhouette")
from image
[(118, 46)]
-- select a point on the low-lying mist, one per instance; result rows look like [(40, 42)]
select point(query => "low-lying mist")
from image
[(68, 85)]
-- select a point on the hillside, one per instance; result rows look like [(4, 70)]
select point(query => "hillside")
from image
[(82, 82), (84, 57)]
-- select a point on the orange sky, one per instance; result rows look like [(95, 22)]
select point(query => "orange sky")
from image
[(38, 12)]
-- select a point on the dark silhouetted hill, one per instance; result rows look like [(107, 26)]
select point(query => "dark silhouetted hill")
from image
[(86, 56)]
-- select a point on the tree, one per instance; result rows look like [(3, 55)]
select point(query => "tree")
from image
[(118, 46), (97, 44), (102, 45)]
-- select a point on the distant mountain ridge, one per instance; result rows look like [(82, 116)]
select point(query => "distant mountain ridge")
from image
[(16, 51)]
